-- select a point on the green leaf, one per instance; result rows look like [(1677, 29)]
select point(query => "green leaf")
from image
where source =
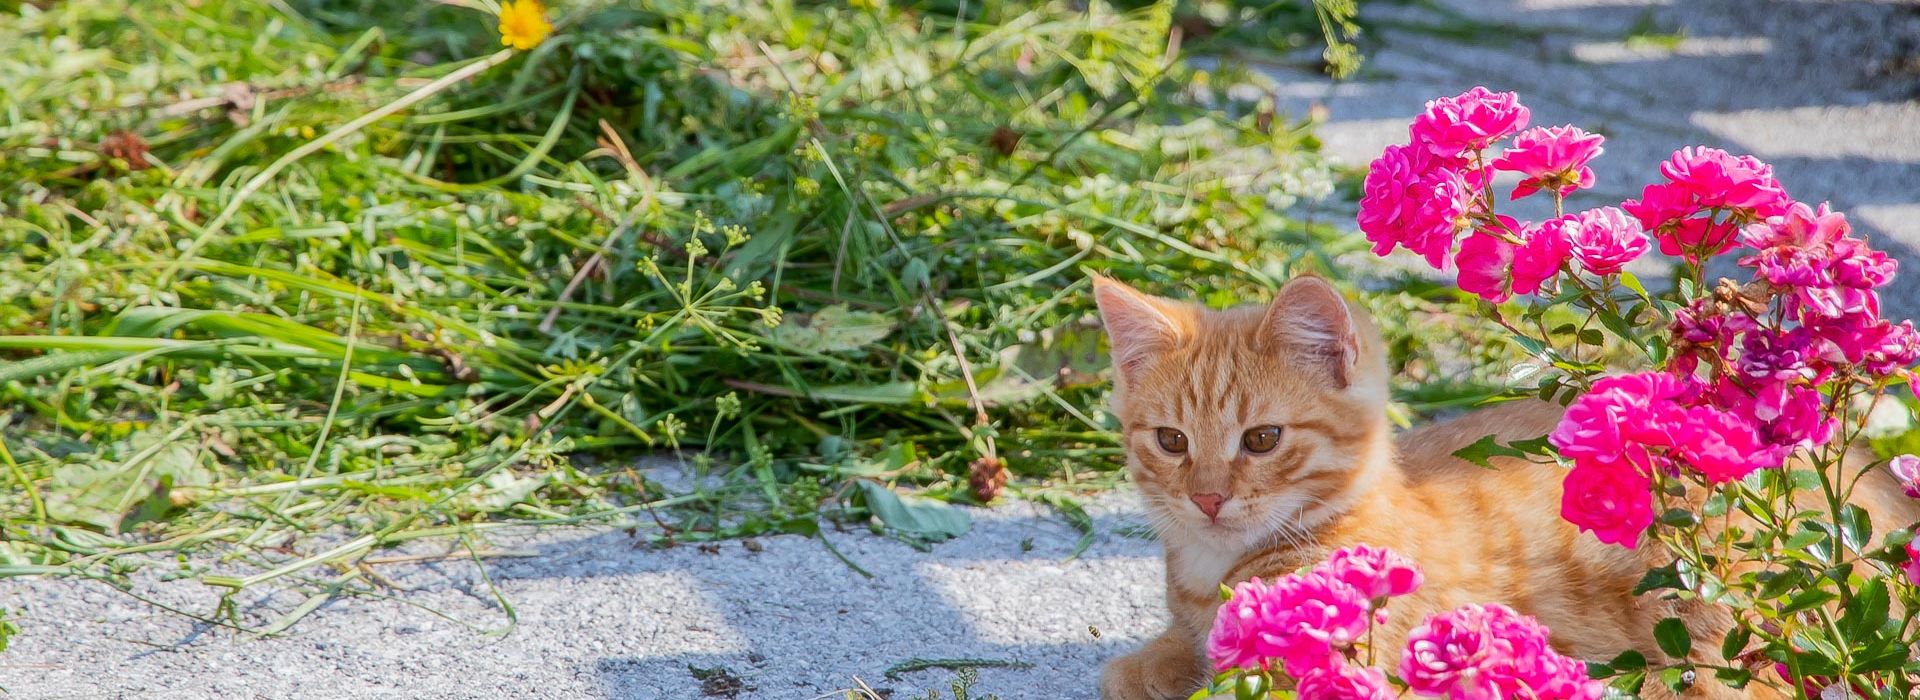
[(1856, 528), (1779, 584), (1867, 611), (1804, 539), (1629, 660), (1664, 577), (1673, 637), (1630, 281), (1806, 600), (1485, 449), (1678, 678), (913, 516), (833, 329), (1735, 643), (1736, 678), (1630, 683), (1679, 517)]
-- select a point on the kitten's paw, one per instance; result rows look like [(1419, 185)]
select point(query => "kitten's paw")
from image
[(1153, 673)]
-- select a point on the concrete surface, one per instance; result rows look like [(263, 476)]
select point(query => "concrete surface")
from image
[(602, 618), (1824, 90), (1827, 91)]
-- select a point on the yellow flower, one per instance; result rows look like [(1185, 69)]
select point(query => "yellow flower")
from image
[(523, 24)]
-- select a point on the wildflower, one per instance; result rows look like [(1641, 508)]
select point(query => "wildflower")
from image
[(1906, 468), (1377, 572), (1300, 620), (1612, 501), (1345, 682), (1469, 121), (1490, 652), (1553, 158), (1604, 240), (523, 24)]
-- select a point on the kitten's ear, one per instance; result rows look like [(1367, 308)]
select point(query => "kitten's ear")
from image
[(1138, 325), (1309, 319)]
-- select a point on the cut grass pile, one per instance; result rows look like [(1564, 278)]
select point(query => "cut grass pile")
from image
[(297, 280)]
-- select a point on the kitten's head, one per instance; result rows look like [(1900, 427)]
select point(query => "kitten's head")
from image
[(1244, 422)]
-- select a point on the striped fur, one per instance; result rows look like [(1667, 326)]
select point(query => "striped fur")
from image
[(1339, 477)]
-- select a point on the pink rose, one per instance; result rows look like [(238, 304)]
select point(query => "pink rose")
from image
[(1612, 501), (1913, 562), (1345, 682), (1377, 572), (1496, 269), (1490, 652), (1553, 158), (1301, 621), (1604, 240), (1722, 446), (1906, 468), (1716, 179), (1470, 121)]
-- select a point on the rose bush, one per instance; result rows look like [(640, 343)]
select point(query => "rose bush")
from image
[(1711, 420), (1315, 629)]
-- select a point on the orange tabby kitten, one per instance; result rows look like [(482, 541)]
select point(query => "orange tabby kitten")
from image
[(1258, 438)]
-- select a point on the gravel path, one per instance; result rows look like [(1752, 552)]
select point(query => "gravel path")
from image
[(1824, 90)]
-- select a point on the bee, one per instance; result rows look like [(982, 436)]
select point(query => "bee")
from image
[(1095, 631)]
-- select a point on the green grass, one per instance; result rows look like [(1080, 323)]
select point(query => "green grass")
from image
[(293, 281)]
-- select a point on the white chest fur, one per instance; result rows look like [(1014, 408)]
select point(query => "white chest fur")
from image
[(1199, 563)]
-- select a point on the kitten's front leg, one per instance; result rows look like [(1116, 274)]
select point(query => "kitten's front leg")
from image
[(1167, 668)]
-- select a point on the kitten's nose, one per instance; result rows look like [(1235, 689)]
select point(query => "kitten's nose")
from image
[(1209, 503)]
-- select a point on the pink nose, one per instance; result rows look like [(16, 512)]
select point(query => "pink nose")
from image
[(1209, 503)]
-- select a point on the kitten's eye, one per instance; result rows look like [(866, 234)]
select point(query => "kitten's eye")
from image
[(1261, 440), (1171, 440)]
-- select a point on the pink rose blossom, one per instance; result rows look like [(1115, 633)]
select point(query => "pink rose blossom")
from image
[(1856, 266), (1301, 620), (1470, 121), (1345, 682), (1539, 259), (1659, 206), (1716, 179), (1621, 415), (1604, 240), (1375, 571), (1496, 269), (1485, 266), (1553, 158), (1414, 199), (1800, 226), (1786, 416), (1612, 501), (1782, 355), (1906, 468), (1490, 652), (1912, 566), (1699, 323), (1707, 182), (1722, 446), (1893, 351), (1387, 195)]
